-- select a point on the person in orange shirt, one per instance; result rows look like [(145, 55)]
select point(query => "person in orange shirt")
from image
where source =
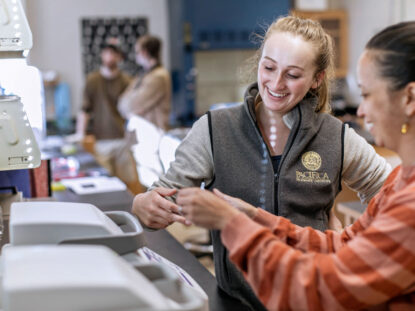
[(371, 264)]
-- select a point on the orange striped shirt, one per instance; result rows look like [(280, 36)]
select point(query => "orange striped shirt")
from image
[(370, 265)]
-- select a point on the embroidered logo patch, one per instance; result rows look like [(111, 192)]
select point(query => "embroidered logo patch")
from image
[(311, 160), (313, 177)]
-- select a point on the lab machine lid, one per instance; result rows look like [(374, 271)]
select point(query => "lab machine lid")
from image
[(15, 34), (34, 223), (74, 278), (17, 140)]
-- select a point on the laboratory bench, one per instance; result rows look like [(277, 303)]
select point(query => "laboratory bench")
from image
[(159, 241)]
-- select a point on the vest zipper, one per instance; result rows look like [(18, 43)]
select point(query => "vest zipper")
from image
[(277, 174), (269, 160), (284, 155)]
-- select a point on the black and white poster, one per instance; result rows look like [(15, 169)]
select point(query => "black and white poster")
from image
[(124, 32)]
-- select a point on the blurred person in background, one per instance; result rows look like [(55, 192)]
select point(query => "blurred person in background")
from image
[(149, 94), (99, 117)]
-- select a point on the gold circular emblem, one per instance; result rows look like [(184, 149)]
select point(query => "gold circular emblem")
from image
[(311, 160)]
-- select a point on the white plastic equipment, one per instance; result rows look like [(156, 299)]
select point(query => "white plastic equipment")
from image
[(90, 185), (17, 141), (15, 34), (87, 278), (33, 223), (20, 149)]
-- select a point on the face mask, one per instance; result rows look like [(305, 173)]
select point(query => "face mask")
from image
[(142, 61), (108, 73)]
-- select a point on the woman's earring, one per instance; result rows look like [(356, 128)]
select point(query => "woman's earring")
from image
[(404, 128)]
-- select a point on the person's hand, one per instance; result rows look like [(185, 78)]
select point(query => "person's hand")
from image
[(241, 205), (155, 211), (205, 209)]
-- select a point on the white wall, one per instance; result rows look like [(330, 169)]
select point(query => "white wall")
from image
[(406, 10), (367, 17), (56, 32)]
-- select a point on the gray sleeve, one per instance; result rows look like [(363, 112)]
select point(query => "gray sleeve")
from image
[(193, 162), (363, 169)]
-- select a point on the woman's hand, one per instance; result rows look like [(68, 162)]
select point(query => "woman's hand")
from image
[(155, 211), (205, 209), (241, 205)]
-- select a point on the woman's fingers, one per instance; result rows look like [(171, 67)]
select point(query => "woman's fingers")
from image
[(188, 196), (179, 218), (165, 192), (167, 205), (204, 208), (231, 200), (225, 197), (219, 193)]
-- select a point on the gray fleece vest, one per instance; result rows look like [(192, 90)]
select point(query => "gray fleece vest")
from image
[(308, 177)]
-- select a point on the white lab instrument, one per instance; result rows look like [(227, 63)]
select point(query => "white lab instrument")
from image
[(17, 142), (40, 223), (18, 78), (90, 185), (15, 35), (87, 278), (34, 223)]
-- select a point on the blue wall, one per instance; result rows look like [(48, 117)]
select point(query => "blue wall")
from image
[(197, 25), (218, 24)]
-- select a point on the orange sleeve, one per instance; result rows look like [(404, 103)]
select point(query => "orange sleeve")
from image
[(378, 264)]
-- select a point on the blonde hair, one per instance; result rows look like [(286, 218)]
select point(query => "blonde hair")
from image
[(311, 31)]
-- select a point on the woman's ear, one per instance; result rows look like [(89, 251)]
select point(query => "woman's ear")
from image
[(410, 99), (318, 79)]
